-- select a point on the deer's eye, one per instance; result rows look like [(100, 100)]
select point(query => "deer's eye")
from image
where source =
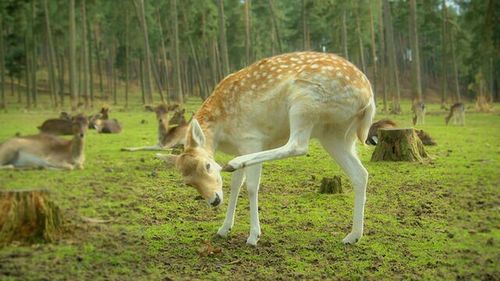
[(207, 167)]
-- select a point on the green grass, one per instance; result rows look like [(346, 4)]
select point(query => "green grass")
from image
[(438, 220)]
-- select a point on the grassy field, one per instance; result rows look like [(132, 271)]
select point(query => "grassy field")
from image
[(437, 220)]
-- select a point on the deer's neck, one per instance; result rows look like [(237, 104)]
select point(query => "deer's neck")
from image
[(77, 149), (162, 129)]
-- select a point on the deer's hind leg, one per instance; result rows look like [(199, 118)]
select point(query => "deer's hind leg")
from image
[(301, 126), (343, 151)]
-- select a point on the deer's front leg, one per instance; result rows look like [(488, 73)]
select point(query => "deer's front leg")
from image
[(253, 182), (236, 182)]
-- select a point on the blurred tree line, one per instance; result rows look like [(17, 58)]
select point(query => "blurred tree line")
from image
[(76, 52)]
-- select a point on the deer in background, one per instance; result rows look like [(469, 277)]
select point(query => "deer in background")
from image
[(457, 114), (418, 109), (107, 126), (102, 115), (46, 150), (372, 138), (167, 137), (269, 111)]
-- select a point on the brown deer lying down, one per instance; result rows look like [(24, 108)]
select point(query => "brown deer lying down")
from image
[(107, 126), (372, 138), (56, 126), (167, 137), (46, 150), (457, 114), (102, 115)]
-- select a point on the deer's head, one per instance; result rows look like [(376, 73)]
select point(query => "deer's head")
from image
[(79, 125), (198, 168)]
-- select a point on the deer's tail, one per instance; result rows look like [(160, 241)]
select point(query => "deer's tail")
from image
[(365, 120)]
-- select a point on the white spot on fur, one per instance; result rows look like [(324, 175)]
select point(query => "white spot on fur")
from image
[(314, 66)]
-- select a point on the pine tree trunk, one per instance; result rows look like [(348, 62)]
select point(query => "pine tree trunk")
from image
[(34, 90), (383, 55), (60, 66), (275, 25), (127, 58), (416, 83), (399, 145), (28, 216), (222, 38), (90, 66), (361, 48), (458, 97), (391, 54), (98, 62), (28, 70), (72, 57), (51, 56), (3, 102), (248, 41), (344, 33), (85, 56), (147, 51), (163, 51), (374, 53), (444, 65)]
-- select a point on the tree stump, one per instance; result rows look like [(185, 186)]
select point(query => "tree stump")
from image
[(331, 185), (28, 216), (399, 144)]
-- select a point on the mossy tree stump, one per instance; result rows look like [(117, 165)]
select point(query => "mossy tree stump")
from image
[(399, 144), (331, 185), (28, 216)]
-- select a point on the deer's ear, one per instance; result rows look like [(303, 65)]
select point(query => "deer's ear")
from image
[(169, 159), (197, 136)]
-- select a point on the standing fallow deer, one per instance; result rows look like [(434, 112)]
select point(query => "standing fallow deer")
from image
[(269, 111), (164, 139), (418, 109), (457, 114), (46, 150)]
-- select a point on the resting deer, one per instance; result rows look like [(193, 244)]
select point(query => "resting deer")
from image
[(457, 114), (373, 132), (268, 111), (107, 126), (56, 126), (45, 150), (418, 113), (102, 115), (372, 138), (165, 140)]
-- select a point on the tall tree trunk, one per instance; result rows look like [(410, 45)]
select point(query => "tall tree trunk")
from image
[(141, 74), (85, 56), (177, 67), (147, 51), (444, 65), (51, 56), (248, 40), (360, 41), (33, 57), (222, 38), (113, 73), (275, 25), (374, 52), (61, 70), (28, 70), (344, 33), (72, 56), (416, 83), (391, 54), (383, 54), (163, 50), (90, 65), (127, 58), (458, 97), (98, 61), (305, 29), (3, 103)]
